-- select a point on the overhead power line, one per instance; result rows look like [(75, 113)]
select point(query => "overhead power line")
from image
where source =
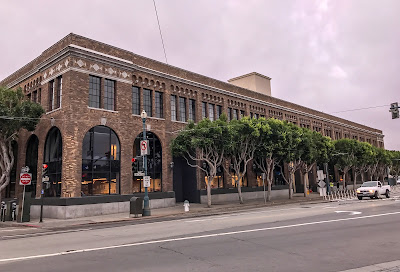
[(159, 27), (367, 108)]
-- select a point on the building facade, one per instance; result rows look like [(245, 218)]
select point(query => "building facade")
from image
[(93, 94)]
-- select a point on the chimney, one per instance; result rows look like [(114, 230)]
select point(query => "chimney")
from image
[(254, 81)]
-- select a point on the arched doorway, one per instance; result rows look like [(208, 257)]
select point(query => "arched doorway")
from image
[(100, 162), (31, 160), (53, 159), (154, 163)]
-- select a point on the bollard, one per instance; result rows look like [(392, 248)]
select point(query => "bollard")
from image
[(3, 211), (186, 205)]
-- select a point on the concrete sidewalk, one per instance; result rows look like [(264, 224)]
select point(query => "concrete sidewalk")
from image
[(176, 211)]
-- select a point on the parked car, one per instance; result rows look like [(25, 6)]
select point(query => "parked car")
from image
[(373, 189)]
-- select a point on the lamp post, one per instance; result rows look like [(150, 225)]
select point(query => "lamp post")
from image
[(146, 208)]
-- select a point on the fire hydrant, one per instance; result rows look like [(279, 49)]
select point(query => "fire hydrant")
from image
[(186, 205)]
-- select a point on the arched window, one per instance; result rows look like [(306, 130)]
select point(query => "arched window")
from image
[(53, 159), (154, 163), (100, 162), (31, 160)]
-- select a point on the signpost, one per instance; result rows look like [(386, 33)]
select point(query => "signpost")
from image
[(25, 178), (139, 174)]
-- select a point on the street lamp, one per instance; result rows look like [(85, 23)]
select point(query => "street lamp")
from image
[(146, 208)]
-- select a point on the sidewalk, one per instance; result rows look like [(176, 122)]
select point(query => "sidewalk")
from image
[(176, 211)]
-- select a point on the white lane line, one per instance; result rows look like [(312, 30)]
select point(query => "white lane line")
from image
[(17, 229), (191, 238), (43, 233)]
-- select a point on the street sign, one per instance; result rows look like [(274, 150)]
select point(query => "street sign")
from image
[(146, 181), (45, 179), (139, 174), (144, 147), (25, 169), (321, 184), (25, 179)]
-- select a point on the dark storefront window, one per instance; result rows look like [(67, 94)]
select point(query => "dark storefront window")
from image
[(53, 159), (182, 109), (135, 100), (154, 163), (159, 105), (147, 105), (192, 110), (109, 94), (31, 160), (100, 162), (94, 92)]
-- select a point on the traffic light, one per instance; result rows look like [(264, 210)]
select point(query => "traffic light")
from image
[(135, 165), (394, 109), (45, 169)]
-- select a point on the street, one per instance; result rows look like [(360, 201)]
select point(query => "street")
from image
[(334, 236)]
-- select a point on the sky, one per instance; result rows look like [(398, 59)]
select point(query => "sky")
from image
[(328, 55)]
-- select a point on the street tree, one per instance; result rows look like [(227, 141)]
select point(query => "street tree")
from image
[(395, 167), (271, 149), (203, 146), (315, 148), (292, 153), (344, 156), (364, 154), (16, 113), (243, 138)]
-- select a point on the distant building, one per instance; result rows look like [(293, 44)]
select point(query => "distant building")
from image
[(93, 94)]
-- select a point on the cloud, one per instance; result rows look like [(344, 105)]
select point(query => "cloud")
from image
[(337, 72)]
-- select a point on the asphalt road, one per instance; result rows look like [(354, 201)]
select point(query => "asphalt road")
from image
[(319, 237)]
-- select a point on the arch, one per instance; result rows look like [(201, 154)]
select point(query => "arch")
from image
[(101, 156), (53, 159), (31, 160), (154, 163)]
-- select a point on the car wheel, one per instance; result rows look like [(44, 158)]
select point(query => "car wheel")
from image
[(387, 194), (359, 197), (376, 195)]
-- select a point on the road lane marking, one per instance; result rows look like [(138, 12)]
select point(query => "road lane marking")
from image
[(351, 212), (190, 238)]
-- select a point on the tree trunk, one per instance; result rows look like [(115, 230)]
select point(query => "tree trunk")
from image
[(6, 164), (290, 189), (209, 194), (239, 191), (269, 192), (355, 180), (305, 183), (344, 179)]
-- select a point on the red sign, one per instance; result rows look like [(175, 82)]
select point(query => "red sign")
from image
[(25, 179)]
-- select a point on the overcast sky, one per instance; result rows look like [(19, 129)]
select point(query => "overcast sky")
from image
[(327, 55)]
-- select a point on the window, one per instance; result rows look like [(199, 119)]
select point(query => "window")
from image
[(219, 111), (31, 160), (100, 162), (192, 110), (53, 159), (109, 94), (94, 92), (182, 109), (34, 96), (159, 105), (135, 100), (211, 112), (39, 97), (154, 163), (51, 95), (147, 105), (229, 114), (173, 107), (59, 92), (203, 110), (241, 114), (235, 114)]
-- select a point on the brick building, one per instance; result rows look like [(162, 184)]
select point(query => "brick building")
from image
[(93, 94)]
